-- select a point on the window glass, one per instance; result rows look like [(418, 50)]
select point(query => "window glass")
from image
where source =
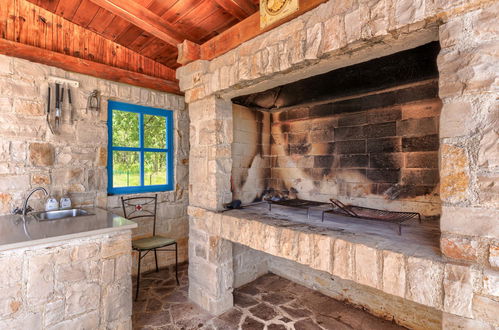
[(155, 168), (125, 129), (154, 132), (126, 169)]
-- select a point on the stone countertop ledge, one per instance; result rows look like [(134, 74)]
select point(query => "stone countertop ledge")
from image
[(16, 233)]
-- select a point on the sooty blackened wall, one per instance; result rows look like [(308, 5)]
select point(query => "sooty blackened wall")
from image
[(377, 147)]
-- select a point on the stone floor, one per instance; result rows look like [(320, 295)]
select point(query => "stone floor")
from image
[(270, 302)]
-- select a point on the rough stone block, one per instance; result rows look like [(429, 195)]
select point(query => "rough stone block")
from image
[(459, 247), (394, 276), (425, 281), (471, 221), (40, 279), (116, 246), (343, 259), (494, 255), (454, 177), (486, 309), (366, 266), (455, 119), (41, 154), (458, 289), (491, 283)]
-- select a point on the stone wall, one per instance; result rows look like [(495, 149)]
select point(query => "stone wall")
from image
[(74, 162), (250, 154), (83, 283)]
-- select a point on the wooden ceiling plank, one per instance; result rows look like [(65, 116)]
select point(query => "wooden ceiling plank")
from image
[(85, 13), (143, 18), (101, 20), (70, 63), (246, 30), (233, 8), (67, 8)]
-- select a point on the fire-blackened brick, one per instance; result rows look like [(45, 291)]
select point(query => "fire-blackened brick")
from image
[(323, 161), (417, 126), (383, 175), (298, 138), (384, 115), (385, 160), (349, 133), (351, 147), (382, 130), (322, 136), (422, 159), (391, 144), (420, 143), (420, 177), (299, 149), (354, 119), (354, 161)]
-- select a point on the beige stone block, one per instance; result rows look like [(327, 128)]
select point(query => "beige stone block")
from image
[(71, 272), (353, 21), (366, 266), (425, 281), (5, 104), (459, 247), (494, 255), (81, 298), (471, 221), (394, 275), (488, 153), (54, 312), (334, 34), (115, 247), (458, 289), (455, 119), (313, 43), (85, 321), (90, 133), (68, 176), (491, 283), (322, 257), (107, 271), (40, 179), (305, 248), (101, 157), (85, 251), (41, 154), (454, 173), (40, 279), (488, 191), (11, 300), (409, 11), (484, 25), (485, 309), (5, 65), (451, 32), (28, 108), (343, 259), (5, 200)]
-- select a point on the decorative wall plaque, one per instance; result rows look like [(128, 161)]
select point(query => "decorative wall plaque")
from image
[(272, 11)]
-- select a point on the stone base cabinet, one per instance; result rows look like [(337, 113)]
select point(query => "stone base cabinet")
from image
[(81, 283)]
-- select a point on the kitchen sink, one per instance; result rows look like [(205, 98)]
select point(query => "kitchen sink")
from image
[(60, 214)]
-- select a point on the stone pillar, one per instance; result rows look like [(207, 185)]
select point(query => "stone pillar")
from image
[(469, 125), (210, 161), (211, 275)]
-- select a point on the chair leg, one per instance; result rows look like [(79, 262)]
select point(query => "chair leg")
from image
[(176, 264), (156, 258), (138, 277)]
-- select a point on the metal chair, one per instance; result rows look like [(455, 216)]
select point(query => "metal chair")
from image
[(139, 207)]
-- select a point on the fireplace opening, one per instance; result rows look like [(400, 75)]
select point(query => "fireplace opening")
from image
[(365, 135)]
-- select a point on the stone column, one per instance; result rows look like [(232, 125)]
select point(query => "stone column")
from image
[(211, 275), (210, 165), (469, 125), (210, 161)]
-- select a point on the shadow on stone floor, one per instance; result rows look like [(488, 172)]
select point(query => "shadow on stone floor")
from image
[(270, 302)]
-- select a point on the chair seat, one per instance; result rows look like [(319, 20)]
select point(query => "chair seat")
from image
[(153, 242)]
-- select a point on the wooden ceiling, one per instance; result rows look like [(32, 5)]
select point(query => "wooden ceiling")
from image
[(138, 42), (193, 20)]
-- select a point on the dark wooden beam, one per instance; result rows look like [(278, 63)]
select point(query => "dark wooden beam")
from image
[(246, 30), (144, 19), (87, 67), (237, 8)]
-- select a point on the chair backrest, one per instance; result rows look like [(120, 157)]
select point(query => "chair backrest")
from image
[(140, 207)]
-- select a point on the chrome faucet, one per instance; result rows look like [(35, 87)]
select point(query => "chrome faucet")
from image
[(26, 208)]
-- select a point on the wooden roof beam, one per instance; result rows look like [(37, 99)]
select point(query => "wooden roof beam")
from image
[(237, 8), (144, 19), (79, 65)]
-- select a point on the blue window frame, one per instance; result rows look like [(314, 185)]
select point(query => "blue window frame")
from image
[(140, 151)]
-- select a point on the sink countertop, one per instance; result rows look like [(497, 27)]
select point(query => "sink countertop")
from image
[(16, 233)]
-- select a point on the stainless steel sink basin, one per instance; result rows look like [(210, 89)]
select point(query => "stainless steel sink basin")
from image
[(60, 214)]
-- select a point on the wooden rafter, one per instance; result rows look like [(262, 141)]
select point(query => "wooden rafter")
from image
[(83, 66), (143, 18), (237, 8)]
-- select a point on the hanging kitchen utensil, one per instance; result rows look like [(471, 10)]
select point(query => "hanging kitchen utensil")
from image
[(57, 105), (93, 101), (70, 106), (48, 110)]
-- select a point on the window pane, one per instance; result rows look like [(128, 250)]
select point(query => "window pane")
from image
[(154, 168), (126, 169), (154, 132), (125, 129)]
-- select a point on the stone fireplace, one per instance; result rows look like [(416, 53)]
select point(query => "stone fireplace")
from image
[(432, 150)]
